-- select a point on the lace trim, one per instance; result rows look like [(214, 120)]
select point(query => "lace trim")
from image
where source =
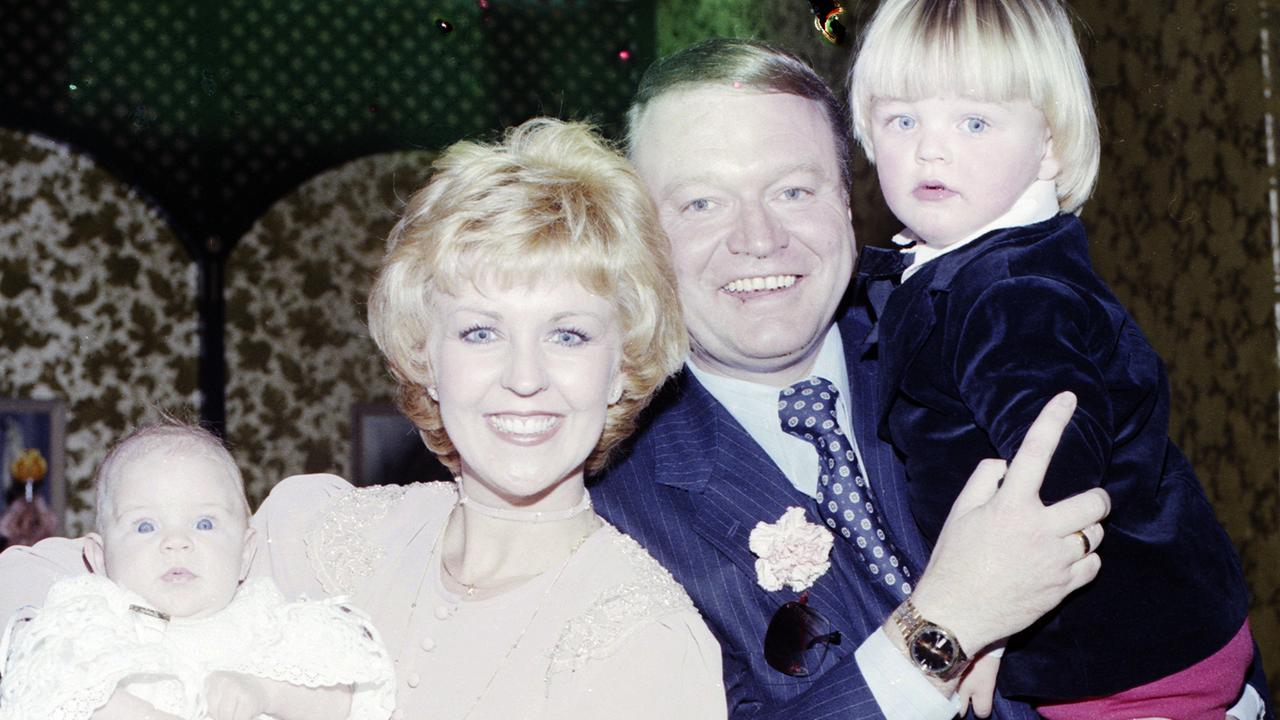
[(337, 544), (618, 611)]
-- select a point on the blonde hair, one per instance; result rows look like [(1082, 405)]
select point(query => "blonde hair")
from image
[(992, 50), (550, 200), (172, 437)]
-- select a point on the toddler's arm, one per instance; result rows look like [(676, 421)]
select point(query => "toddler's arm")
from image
[(1026, 337), (236, 696)]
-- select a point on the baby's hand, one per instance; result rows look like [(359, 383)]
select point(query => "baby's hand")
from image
[(979, 685), (234, 696)]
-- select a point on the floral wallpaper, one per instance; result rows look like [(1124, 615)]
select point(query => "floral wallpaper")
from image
[(298, 352), (97, 304)]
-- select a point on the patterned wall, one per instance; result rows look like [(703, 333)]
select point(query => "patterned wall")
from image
[(298, 352), (1181, 228), (97, 303), (1179, 224)]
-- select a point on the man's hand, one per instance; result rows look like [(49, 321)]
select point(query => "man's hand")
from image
[(1003, 558)]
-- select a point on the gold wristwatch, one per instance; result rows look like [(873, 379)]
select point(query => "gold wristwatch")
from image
[(931, 647)]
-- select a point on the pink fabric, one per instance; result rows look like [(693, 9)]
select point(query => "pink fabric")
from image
[(1203, 691)]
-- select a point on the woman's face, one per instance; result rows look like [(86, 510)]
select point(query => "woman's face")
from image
[(524, 376)]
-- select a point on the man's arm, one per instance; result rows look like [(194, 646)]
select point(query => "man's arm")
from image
[(1002, 561)]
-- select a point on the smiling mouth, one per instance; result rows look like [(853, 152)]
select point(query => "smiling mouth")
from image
[(761, 283), (523, 426)]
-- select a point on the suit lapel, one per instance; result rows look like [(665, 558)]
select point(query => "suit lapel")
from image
[(884, 469), (731, 482), (911, 316)]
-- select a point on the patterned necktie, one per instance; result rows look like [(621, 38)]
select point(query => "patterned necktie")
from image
[(808, 411)]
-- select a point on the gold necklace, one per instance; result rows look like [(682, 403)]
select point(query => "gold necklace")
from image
[(537, 610)]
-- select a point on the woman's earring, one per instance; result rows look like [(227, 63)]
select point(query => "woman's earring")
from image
[(431, 391)]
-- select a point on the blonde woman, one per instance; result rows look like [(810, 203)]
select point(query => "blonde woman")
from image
[(527, 310)]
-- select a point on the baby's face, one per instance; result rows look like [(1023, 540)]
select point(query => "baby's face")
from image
[(177, 533)]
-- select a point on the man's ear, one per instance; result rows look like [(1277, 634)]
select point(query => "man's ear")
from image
[(94, 554), (1050, 167), (249, 552)]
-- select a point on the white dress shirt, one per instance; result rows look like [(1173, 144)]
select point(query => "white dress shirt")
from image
[(900, 689)]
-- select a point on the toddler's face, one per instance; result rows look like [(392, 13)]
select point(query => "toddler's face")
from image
[(949, 166), (177, 534)]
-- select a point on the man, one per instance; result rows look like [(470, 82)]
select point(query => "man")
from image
[(745, 152)]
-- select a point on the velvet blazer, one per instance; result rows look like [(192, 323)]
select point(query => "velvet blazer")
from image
[(693, 487), (970, 348)]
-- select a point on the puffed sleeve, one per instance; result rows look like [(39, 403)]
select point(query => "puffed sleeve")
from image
[(314, 644), (281, 526), (668, 667), (27, 573)]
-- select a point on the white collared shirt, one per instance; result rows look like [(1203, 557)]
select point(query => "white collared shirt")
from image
[(902, 692), (755, 407), (1038, 203)]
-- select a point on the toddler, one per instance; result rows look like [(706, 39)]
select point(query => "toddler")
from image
[(163, 627), (979, 119)]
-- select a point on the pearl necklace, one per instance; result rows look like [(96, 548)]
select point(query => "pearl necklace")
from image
[(527, 516)]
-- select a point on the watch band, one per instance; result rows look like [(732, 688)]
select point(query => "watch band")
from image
[(932, 648)]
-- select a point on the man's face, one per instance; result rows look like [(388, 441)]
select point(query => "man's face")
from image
[(749, 188)]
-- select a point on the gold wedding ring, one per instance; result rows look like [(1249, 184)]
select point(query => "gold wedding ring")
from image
[(1088, 546)]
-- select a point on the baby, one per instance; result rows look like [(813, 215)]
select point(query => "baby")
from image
[(164, 628), (979, 118)]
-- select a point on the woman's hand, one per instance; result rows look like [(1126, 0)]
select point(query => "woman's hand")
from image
[(1003, 558), (124, 706), (235, 696)]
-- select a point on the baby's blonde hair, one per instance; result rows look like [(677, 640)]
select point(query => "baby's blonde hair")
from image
[(553, 203), (990, 50), (171, 437)]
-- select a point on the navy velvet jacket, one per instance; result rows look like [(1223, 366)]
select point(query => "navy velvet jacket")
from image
[(693, 487), (971, 347)]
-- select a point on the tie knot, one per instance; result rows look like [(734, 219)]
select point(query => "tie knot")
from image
[(808, 408)]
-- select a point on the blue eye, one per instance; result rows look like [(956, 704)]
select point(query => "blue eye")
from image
[(204, 523), (145, 527), (904, 122), (698, 205), (795, 193), (569, 336), (478, 335), (975, 124)]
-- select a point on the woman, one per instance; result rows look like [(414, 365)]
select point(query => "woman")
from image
[(527, 310)]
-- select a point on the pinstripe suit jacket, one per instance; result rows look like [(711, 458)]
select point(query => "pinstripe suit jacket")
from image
[(691, 490)]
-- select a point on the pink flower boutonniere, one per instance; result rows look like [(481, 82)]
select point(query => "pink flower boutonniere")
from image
[(792, 552)]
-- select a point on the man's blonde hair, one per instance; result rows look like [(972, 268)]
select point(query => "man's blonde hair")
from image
[(551, 202), (991, 50)]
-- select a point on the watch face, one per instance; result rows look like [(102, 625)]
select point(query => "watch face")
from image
[(934, 650)]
